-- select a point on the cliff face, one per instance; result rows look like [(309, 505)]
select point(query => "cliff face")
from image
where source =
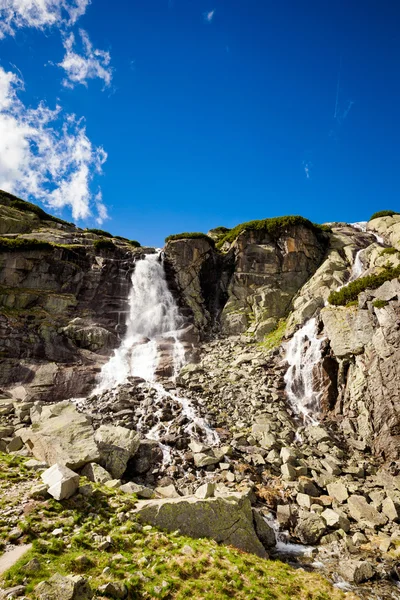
[(62, 306)]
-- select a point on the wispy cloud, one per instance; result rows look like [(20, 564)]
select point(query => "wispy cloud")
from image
[(46, 155), (39, 14), (307, 166), (208, 16), (91, 64)]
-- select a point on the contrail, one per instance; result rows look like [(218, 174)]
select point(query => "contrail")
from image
[(337, 88)]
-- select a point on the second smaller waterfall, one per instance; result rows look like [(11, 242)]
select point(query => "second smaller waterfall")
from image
[(303, 353)]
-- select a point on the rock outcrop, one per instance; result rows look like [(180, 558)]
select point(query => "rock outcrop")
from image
[(228, 520)]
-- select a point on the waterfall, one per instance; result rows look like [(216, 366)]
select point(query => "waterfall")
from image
[(303, 353), (153, 323), (153, 317)]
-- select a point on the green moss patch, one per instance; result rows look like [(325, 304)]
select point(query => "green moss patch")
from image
[(100, 232), (383, 213), (273, 227), (389, 251), (10, 200), (274, 338), (190, 236), (23, 245), (351, 291), (380, 303)]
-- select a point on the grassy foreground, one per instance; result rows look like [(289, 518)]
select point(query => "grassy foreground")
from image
[(150, 563)]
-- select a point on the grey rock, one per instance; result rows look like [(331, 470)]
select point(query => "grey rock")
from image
[(58, 587), (310, 529), (116, 446), (356, 571)]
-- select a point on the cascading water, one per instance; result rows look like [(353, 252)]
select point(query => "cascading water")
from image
[(303, 352), (153, 316), (154, 319)]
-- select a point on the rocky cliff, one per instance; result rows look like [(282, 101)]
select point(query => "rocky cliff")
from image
[(284, 423)]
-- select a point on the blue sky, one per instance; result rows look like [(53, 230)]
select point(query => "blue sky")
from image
[(210, 112)]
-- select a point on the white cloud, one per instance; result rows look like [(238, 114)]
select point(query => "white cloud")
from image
[(307, 166), (40, 14), (47, 156), (91, 64), (208, 16)]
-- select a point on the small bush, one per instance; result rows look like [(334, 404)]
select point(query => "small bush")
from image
[(390, 251), (23, 245), (187, 236), (383, 213), (220, 229), (103, 245), (100, 232), (134, 243), (380, 303), (13, 202), (119, 237), (273, 227), (351, 291)]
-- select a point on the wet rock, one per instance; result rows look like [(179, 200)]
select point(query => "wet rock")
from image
[(148, 455)]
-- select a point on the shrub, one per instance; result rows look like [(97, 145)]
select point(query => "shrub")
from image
[(100, 232), (390, 251), (13, 202), (119, 237), (351, 291), (134, 243), (23, 245), (274, 227), (383, 213), (187, 236), (220, 229), (380, 303), (103, 245)]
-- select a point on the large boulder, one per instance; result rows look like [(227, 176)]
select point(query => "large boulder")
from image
[(59, 587), (310, 529), (116, 445), (225, 519), (62, 435), (62, 482)]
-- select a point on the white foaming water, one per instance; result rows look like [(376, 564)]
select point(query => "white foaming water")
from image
[(303, 352), (153, 314), (153, 317), (358, 267), (282, 545)]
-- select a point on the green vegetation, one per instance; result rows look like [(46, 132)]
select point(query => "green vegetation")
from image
[(100, 232), (274, 338), (9, 200), (351, 291), (151, 564), (220, 229), (103, 244), (187, 236), (273, 227), (380, 303), (23, 245), (383, 213), (389, 251), (134, 243), (119, 237)]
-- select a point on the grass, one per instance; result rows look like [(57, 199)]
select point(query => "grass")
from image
[(273, 227), (100, 232), (12, 201), (23, 245), (389, 251), (151, 563), (383, 213), (134, 243), (190, 236), (351, 291), (380, 303), (274, 338)]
